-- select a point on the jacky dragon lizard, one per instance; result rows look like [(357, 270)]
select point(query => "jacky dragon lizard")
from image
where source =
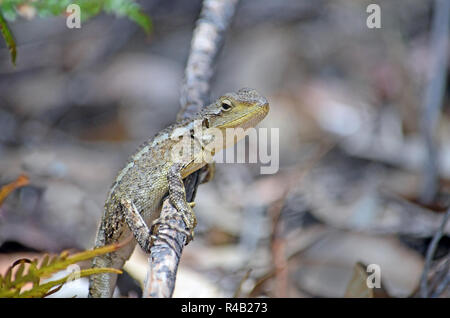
[(151, 174)]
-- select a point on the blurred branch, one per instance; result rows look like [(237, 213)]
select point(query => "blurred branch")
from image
[(278, 249), (441, 279), (430, 253), (205, 45), (206, 42), (434, 95)]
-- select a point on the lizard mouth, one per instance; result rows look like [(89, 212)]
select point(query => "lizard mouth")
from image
[(251, 119)]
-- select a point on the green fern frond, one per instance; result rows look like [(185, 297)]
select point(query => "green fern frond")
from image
[(32, 271)]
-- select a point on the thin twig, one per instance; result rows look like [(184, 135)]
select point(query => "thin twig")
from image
[(207, 39), (434, 96), (441, 279), (429, 256), (278, 248), (442, 286)]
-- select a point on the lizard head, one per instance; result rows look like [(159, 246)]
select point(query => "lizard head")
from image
[(226, 121), (244, 109)]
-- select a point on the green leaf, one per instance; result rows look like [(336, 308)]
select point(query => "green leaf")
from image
[(9, 39), (130, 9), (8, 9), (89, 8), (142, 19)]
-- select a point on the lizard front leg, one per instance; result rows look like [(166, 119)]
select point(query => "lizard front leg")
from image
[(177, 197), (136, 224)]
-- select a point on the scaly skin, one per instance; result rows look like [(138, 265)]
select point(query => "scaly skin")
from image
[(135, 198)]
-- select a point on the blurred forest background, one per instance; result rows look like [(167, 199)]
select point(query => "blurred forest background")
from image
[(348, 102)]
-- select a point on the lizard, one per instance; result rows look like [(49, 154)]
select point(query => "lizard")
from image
[(134, 201)]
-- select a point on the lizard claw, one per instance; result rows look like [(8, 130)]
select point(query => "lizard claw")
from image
[(188, 218)]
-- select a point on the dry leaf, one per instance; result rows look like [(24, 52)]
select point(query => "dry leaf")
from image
[(10, 187), (357, 287)]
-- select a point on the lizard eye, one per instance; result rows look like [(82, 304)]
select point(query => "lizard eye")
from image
[(226, 105)]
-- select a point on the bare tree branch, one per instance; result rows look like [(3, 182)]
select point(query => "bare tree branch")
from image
[(205, 45), (441, 278), (164, 257), (207, 40), (430, 253), (434, 95)]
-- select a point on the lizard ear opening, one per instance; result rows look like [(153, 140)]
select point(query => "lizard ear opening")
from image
[(226, 105), (205, 123)]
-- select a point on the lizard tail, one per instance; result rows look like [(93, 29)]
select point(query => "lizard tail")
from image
[(102, 285)]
